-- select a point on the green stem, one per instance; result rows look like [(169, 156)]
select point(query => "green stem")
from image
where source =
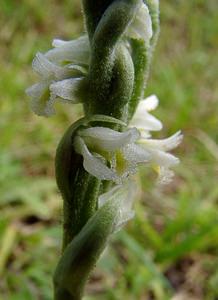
[(140, 57), (120, 87), (82, 204), (79, 189), (81, 254), (103, 62), (93, 11)]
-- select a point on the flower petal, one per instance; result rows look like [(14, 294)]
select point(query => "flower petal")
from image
[(141, 27), (163, 159), (57, 43), (108, 139), (93, 165), (148, 104), (43, 66), (142, 119), (165, 176), (135, 154), (146, 122), (165, 144), (66, 89), (41, 102), (38, 89), (77, 51)]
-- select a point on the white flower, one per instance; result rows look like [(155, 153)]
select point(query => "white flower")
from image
[(141, 26), (143, 120), (109, 154), (76, 51), (61, 70), (159, 158), (112, 155)]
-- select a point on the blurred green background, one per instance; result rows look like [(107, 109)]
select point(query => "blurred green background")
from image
[(169, 251)]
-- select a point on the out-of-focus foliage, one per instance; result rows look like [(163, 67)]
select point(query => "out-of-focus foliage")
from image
[(169, 251)]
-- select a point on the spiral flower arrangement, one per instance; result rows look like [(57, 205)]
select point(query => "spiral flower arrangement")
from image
[(106, 70)]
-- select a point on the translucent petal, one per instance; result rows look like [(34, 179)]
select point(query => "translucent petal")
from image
[(93, 165), (66, 89), (165, 144), (134, 153), (77, 51), (142, 119), (57, 43), (163, 159), (145, 134), (36, 90), (141, 27), (146, 122), (108, 139), (148, 104), (49, 108), (41, 102), (44, 67), (165, 176)]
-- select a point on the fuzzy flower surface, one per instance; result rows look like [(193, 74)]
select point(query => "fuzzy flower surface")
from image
[(109, 154), (112, 155), (61, 71), (160, 159), (62, 68)]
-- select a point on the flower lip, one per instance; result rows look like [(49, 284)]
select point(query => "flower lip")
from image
[(92, 164)]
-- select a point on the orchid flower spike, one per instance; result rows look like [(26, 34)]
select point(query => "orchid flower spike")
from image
[(106, 70), (159, 158), (109, 154), (61, 70)]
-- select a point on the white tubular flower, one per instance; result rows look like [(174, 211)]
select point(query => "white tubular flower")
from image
[(109, 154), (159, 158), (123, 197), (143, 120), (61, 70), (75, 51), (141, 26)]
